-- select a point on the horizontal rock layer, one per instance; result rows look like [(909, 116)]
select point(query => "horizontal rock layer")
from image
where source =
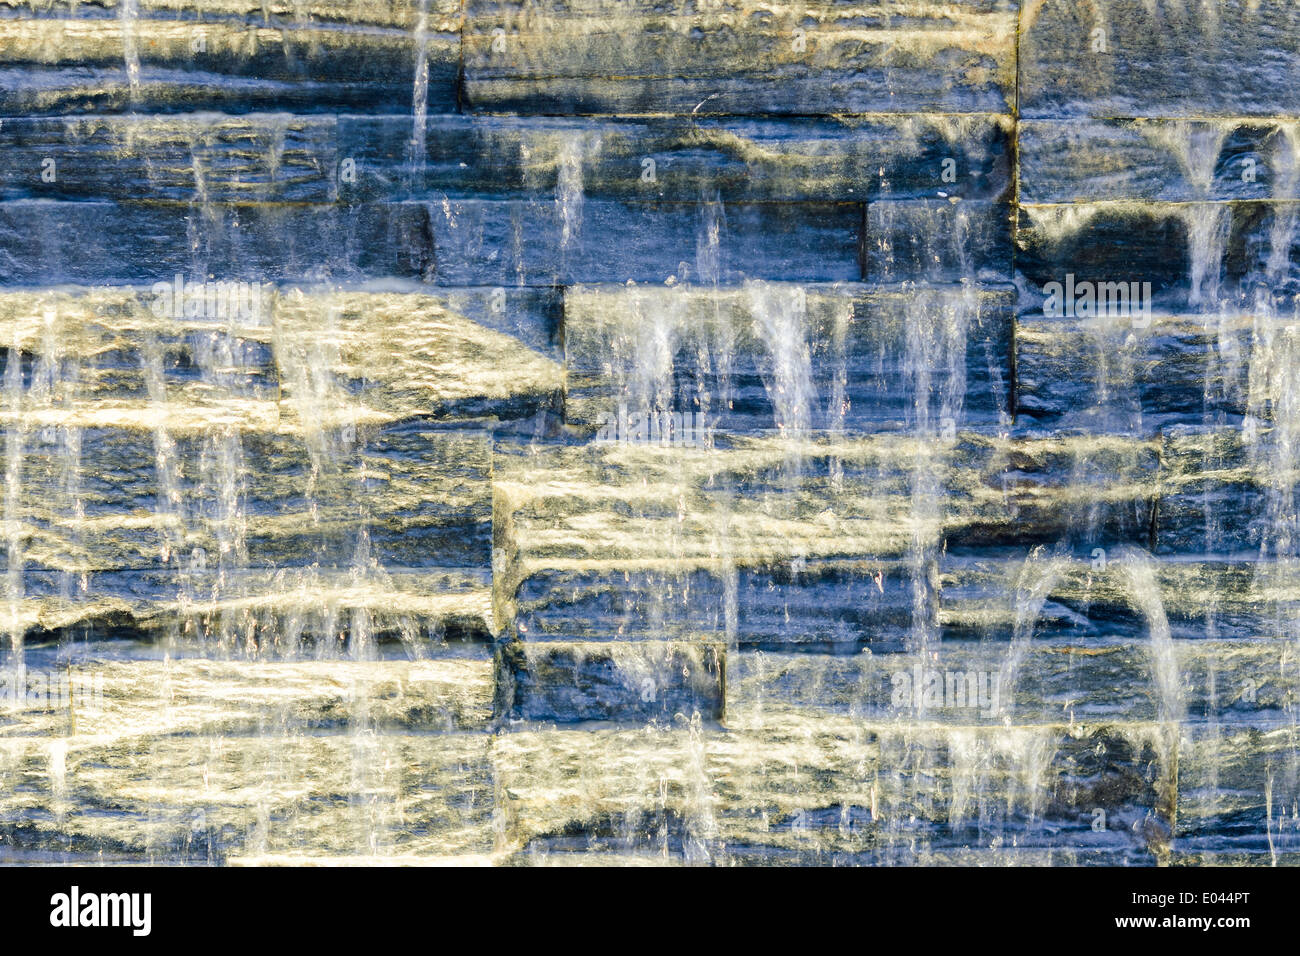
[(810, 782), (848, 352), (1138, 58), (740, 57), (484, 433), (280, 157)]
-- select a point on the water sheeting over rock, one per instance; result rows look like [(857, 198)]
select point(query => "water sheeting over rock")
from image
[(625, 430)]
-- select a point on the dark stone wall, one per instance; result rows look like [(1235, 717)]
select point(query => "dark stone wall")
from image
[(697, 364)]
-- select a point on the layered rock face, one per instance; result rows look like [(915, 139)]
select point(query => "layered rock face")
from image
[(732, 432)]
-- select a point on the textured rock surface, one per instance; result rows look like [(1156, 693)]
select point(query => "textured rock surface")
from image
[(740, 57), (1120, 58), (640, 429), (639, 345)]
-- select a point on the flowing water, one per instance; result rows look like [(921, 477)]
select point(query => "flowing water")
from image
[(638, 461), (129, 14), (419, 98), (780, 323)]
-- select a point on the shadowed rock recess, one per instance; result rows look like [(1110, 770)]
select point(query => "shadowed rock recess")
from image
[(650, 430)]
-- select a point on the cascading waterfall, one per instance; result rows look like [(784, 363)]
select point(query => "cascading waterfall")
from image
[(1021, 756), (169, 503), (74, 583), (934, 366), (1208, 225), (710, 226), (275, 145), (780, 317), (1275, 397), (311, 392), (336, 487), (1195, 144), (837, 402), (648, 360), (1144, 591), (321, 411), (219, 358), (129, 14), (575, 150), (13, 517), (1166, 679), (40, 385), (934, 372), (1038, 576), (700, 824), (367, 579), (419, 100), (934, 361), (1285, 163), (56, 384), (708, 241), (721, 349), (1273, 408)]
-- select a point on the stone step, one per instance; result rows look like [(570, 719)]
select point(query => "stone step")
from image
[(1028, 489), (1137, 371), (278, 157), (571, 682), (1219, 58), (1237, 793), (1214, 491), (844, 357), (240, 57), (1157, 159), (392, 14), (1194, 255), (294, 610), (1090, 595), (1230, 492), (828, 605), (615, 56), (1233, 685), (589, 546), (938, 241), (405, 497), (561, 243), (763, 541), (781, 783), (204, 342), (116, 692), (45, 243), (200, 760), (533, 243), (681, 159), (93, 243), (203, 157), (460, 355), (163, 459)]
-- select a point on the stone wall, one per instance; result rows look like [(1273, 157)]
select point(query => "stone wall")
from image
[(681, 384)]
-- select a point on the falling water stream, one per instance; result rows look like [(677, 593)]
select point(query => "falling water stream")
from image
[(419, 99), (742, 552), (129, 13), (14, 438)]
